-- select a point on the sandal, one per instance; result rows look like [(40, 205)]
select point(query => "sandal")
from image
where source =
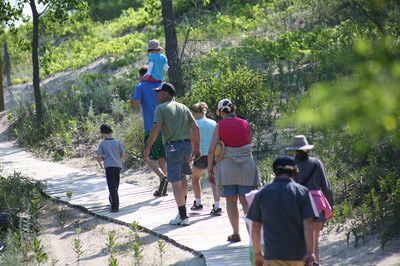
[(234, 238), (162, 189), (157, 194)]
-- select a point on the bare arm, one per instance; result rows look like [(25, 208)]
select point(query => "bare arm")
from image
[(100, 161), (195, 139), (256, 237), (155, 130), (210, 158), (123, 156), (135, 103), (308, 236)]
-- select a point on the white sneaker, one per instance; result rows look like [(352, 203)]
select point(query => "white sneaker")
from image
[(179, 221)]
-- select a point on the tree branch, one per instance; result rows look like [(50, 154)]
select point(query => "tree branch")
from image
[(44, 10)]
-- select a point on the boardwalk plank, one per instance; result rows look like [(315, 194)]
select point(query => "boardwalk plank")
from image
[(206, 234)]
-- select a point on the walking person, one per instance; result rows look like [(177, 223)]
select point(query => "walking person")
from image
[(146, 97), (206, 125), (312, 175), (110, 155), (236, 173), (179, 131), (285, 210)]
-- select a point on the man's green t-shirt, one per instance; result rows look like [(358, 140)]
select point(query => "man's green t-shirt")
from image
[(175, 119)]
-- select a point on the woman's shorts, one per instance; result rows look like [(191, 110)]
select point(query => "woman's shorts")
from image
[(233, 190), (201, 163)]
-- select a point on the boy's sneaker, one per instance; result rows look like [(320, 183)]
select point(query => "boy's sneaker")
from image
[(179, 221), (216, 211), (196, 206)]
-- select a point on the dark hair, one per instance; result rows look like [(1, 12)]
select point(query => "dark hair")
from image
[(301, 155), (285, 165), (143, 70), (168, 87), (106, 129), (200, 107)]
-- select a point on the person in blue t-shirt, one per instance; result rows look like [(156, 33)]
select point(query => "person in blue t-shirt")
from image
[(145, 95), (157, 62)]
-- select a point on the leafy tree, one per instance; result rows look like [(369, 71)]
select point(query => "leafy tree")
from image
[(366, 101), (102, 10), (55, 12)]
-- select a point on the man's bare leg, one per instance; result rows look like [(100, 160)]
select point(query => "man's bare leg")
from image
[(156, 168)]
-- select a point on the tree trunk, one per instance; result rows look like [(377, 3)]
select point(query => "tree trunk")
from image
[(35, 63), (171, 47), (7, 64), (1, 87)]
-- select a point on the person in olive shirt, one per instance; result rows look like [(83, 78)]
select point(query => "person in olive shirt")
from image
[(178, 128)]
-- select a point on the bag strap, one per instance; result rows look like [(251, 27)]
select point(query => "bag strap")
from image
[(311, 174)]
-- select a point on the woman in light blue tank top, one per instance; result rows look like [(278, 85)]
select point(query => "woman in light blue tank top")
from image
[(206, 126)]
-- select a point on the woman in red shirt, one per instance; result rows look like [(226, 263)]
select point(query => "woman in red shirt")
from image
[(236, 173)]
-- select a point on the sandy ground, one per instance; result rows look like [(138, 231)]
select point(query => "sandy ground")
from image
[(59, 231)]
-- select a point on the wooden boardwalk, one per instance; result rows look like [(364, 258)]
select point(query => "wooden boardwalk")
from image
[(206, 234)]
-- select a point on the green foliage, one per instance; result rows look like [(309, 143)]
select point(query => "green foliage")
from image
[(112, 261), (137, 252), (161, 249), (218, 77), (367, 100), (111, 243), (16, 193), (40, 255), (136, 230), (77, 245), (69, 194), (34, 207), (102, 10)]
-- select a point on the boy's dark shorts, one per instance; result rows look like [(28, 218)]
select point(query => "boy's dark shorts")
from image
[(157, 150), (201, 163)]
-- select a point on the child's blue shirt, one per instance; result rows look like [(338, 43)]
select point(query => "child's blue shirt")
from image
[(159, 60)]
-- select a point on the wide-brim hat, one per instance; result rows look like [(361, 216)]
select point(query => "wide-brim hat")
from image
[(299, 142), (154, 45)]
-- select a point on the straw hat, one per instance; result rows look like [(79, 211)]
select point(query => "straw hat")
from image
[(299, 142), (154, 45)]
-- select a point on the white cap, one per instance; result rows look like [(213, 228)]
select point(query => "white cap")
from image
[(225, 104)]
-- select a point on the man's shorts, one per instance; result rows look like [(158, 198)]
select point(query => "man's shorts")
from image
[(201, 163), (178, 155), (284, 263), (233, 190), (157, 150)]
